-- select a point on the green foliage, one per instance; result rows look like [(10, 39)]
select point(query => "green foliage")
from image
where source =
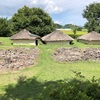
[(5, 29), (92, 14), (74, 31), (71, 26), (73, 89), (84, 30), (70, 32), (58, 25), (68, 26), (46, 68), (33, 19)]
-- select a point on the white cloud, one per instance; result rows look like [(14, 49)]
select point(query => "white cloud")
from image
[(71, 10), (55, 6), (34, 2), (9, 7), (53, 9), (49, 6), (57, 22)]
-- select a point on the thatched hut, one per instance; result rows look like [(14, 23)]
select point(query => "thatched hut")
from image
[(90, 38), (24, 37), (57, 37)]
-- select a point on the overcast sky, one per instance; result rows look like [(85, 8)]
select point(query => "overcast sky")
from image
[(61, 11)]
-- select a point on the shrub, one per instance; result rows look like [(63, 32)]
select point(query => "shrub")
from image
[(75, 89)]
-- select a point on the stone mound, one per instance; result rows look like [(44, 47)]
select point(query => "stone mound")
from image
[(76, 54), (17, 58)]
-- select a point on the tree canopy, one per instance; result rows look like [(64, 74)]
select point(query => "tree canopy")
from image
[(5, 29), (92, 14), (71, 26), (68, 26), (58, 25), (33, 19)]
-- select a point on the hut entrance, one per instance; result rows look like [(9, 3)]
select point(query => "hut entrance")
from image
[(42, 41), (36, 42)]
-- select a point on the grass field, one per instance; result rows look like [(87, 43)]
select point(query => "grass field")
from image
[(70, 32), (46, 68)]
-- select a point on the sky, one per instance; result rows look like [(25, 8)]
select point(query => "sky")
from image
[(61, 11)]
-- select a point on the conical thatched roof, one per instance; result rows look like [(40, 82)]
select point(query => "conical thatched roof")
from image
[(25, 35), (90, 36), (57, 36)]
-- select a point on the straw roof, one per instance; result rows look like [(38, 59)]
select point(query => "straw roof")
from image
[(57, 36), (90, 36), (24, 35)]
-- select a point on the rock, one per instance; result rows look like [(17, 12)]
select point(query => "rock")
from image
[(76, 54), (17, 58)]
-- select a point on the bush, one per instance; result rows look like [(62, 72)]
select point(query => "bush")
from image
[(75, 89), (75, 35)]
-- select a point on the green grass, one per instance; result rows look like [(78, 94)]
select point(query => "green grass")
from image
[(78, 33), (70, 32), (6, 43), (48, 69)]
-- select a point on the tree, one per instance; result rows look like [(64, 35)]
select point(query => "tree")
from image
[(5, 29), (92, 14), (58, 25), (33, 19), (74, 31), (68, 26), (71, 26)]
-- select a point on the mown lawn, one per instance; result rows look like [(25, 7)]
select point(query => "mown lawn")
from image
[(48, 69)]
